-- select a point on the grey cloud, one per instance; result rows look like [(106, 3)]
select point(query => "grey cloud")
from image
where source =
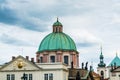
[(17, 17), (4, 38), (86, 44), (8, 16)]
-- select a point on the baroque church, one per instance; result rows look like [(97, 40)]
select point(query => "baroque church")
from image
[(57, 58)]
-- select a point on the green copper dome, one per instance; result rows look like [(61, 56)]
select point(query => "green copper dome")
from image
[(57, 41)]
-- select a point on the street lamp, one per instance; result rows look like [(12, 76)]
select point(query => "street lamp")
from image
[(24, 77)]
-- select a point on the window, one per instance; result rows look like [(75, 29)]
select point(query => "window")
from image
[(26, 76), (41, 59), (52, 58), (45, 76), (12, 77), (8, 76), (30, 76), (102, 74), (66, 59), (50, 76)]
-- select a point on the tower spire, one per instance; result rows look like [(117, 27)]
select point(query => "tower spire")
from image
[(101, 48), (101, 64)]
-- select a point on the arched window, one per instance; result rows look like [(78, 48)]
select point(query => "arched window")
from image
[(102, 74), (66, 61), (41, 59), (52, 58)]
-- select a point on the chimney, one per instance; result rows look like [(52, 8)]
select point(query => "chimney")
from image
[(32, 60), (27, 57), (13, 57)]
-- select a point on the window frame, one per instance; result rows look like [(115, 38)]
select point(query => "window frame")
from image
[(41, 59), (50, 76), (12, 76), (52, 58), (45, 76), (66, 62), (8, 76), (30, 77)]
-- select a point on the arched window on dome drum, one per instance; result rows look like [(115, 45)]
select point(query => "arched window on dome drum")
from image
[(52, 58), (41, 59), (66, 61)]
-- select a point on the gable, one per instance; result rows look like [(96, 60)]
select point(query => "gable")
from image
[(19, 64)]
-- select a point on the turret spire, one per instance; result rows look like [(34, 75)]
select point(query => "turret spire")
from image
[(101, 64), (101, 48)]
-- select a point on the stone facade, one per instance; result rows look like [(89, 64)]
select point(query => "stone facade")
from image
[(15, 69)]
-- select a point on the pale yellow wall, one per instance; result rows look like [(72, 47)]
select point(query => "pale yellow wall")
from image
[(57, 69), (18, 75), (104, 69)]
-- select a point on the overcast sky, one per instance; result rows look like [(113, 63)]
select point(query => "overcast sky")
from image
[(90, 23)]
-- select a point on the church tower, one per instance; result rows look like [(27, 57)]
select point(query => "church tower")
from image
[(101, 69), (58, 47)]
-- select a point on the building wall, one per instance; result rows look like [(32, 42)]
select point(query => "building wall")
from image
[(59, 70), (104, 69), (19, 74), (115, 76), (37, 75)]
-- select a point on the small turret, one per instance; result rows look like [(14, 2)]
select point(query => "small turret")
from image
[(101, 64), (57, 27)]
